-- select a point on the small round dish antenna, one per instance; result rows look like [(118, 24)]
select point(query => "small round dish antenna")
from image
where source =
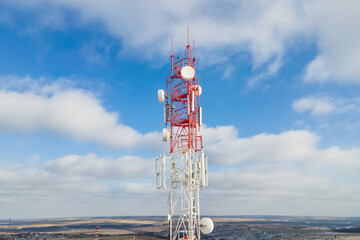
[(166, 134), (206, 225), (188, 73), (197, 90), (161, 95)]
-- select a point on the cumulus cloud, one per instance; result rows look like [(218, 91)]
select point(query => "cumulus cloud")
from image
[(103, 168), (218, 133), (77, 185), (323, 106), (317, 70), (263, 147), (282, 171), (29, 105), (337, 40), (220, 29), (277, 183), (71, 112), (283, 150), (278, 170), (316, 105), (273, 190), (265, 30)]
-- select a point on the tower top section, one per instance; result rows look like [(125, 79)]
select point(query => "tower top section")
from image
[(183, 113)]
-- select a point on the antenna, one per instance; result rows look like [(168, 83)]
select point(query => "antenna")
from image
[(188, 43), (184, 172), (206, 225), (172, 46), (8, 228), (188, 73)]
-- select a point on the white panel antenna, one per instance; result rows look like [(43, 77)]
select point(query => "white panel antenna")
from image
[(160, 164), (165, 134), (203, 170)]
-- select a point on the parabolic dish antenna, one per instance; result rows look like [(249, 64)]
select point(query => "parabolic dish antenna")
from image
[(161, 95), (206, 225), (197, 90), (188, 73)]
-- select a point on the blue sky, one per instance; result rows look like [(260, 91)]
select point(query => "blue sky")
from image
[(80, 122)]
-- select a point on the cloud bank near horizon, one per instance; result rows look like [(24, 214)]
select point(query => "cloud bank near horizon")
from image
[(288, 166)]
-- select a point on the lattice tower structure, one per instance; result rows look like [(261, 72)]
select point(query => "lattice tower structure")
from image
[(184, 170)]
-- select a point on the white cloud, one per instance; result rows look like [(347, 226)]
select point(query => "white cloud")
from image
[(103, 168), (265, 30), (275, 191), (323, 106), (335, 26), (218, 133), (145, 28), (224, 30), (287, 146), (70, 112), (316, 105), (272, 173), (277, 183), (274, 152), (335, 157), (28, 105), (283, 173), (271, 70), (138, 188), (229, 70), (77, 185), (317, 70)]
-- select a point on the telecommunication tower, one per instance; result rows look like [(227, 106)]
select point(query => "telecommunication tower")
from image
[(96, 236), (184, 170)]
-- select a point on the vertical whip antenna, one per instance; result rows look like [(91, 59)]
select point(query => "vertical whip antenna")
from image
[(172, 46), (188, 35)]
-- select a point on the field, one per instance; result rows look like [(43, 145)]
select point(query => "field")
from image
[(152, 228)]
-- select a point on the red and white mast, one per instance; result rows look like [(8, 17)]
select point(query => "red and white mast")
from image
[(184, 171), (96, 236)]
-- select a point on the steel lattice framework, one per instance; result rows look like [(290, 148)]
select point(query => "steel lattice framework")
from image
[(184, 172)]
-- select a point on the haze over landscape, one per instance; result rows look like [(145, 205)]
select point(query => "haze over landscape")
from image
[(80, 123)]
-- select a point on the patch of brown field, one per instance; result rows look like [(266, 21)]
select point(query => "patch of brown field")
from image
[(129, 237), (151, 229), (90, 232), (324, 237), (215, 219), (74, 221), (36, 225), (104, 220), (318, 228)]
